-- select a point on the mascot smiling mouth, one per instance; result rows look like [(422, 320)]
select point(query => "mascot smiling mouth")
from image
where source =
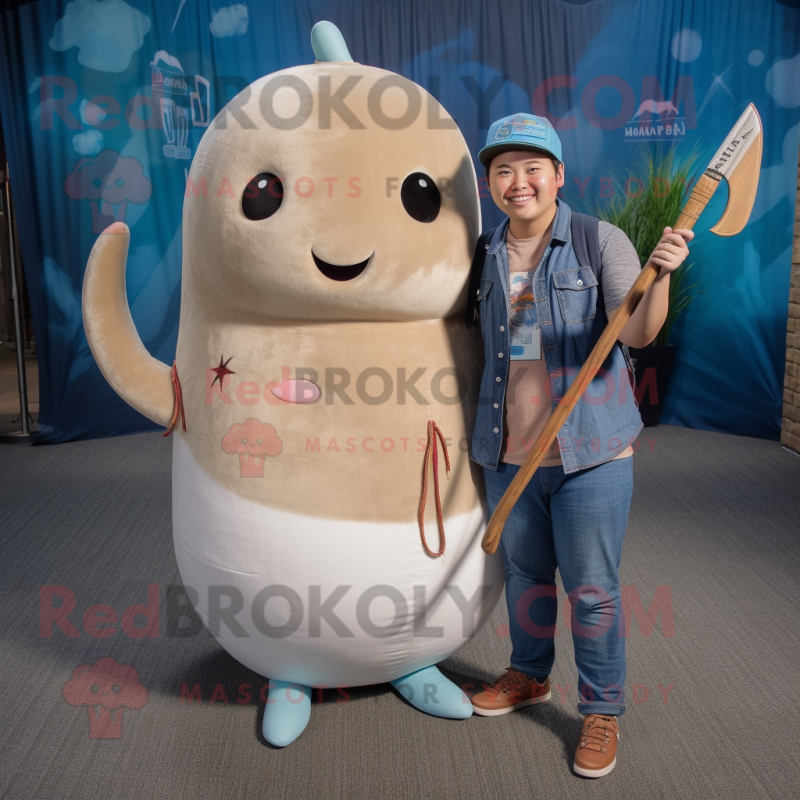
[(344, 272)]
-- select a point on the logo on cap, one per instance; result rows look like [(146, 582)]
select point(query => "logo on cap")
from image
[(521, 125)]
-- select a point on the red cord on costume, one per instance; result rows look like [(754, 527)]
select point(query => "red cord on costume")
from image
[(178, 407), (432, 453)]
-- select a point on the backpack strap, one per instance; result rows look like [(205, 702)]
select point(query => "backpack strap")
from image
[(586, 244), (476, 271)]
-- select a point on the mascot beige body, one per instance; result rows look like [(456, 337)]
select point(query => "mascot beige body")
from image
[(319, 334)]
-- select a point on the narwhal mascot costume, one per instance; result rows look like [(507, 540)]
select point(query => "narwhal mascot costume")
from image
[(323, 375)]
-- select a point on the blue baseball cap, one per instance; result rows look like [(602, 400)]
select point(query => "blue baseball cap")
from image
[(520, 132)]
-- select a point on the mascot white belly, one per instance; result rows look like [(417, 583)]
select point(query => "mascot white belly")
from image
[(324, 384), (395, 610)]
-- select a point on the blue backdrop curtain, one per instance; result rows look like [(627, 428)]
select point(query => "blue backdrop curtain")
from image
[(103, 104)]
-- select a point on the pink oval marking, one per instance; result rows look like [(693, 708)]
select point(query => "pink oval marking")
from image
[(296, 391)]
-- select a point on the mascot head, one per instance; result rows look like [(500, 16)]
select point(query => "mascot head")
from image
[(332, 191)]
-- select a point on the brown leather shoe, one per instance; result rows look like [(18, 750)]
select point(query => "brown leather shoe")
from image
[(510, 692), (596, 754)]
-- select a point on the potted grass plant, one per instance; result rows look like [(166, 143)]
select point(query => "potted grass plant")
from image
[(645, 200)]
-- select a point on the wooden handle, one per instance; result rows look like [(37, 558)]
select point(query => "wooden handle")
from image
[(701, 194), (703, 191)]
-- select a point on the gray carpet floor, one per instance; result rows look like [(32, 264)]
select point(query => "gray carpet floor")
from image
[(715, 523)]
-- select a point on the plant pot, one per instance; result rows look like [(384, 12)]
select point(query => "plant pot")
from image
[(653, 367)]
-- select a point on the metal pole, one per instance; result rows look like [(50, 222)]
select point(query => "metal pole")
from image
[(20, 344)]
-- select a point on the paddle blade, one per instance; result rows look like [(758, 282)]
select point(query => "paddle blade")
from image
[(739, 162)]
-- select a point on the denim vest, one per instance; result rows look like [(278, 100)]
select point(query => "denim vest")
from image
[(606, 419)]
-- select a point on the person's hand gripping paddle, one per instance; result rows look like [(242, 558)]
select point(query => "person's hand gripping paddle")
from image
[(738, 160)]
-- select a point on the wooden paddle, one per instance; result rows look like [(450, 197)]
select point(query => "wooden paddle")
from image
[(738, 160)]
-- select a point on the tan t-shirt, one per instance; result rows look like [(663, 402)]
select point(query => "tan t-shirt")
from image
[(528, 406)]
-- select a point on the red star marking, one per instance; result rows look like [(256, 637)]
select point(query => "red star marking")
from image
[(221, 371)]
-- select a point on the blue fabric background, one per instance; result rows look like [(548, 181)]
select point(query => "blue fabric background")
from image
[(483, 60)]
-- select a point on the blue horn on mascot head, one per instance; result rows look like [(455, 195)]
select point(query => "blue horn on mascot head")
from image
[(328, 43)]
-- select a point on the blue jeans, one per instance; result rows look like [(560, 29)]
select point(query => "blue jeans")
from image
[(575, 523)]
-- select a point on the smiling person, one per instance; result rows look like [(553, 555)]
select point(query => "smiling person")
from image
[(541, 311)]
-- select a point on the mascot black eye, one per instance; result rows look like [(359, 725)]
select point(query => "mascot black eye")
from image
[(262, 196), (421, 198)]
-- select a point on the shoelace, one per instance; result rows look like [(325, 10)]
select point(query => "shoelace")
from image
[(178, 407), (511, 680), (431, 454), (598, 732)]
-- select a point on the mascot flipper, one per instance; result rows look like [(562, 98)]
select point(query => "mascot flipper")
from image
[(287, 712), (429, 691)]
